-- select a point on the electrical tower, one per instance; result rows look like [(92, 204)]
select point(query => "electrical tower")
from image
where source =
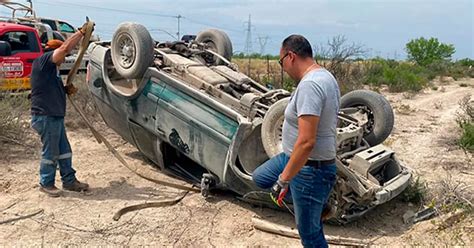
[(248, 41), (263, 40)]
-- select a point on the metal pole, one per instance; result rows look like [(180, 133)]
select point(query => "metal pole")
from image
[(179, 19), (248, 68)]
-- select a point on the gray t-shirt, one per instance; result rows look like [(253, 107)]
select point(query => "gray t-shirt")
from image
[(317, 94)]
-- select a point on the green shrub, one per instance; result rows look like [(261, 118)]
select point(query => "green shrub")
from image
[(466, 62), (465, 120), (415, 192), (397, 76), (467, 137), (426, 51)]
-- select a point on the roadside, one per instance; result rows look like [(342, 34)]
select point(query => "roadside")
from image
[(424, 139)]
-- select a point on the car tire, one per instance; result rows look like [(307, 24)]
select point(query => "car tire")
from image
[(132, 50), (272, 127), (218, 41), (380, 114)]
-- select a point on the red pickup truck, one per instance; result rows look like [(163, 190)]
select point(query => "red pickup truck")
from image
[(19, 47)]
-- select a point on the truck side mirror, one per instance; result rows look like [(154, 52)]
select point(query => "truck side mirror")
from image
[(5, 49)]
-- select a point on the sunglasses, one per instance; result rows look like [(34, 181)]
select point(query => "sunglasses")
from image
[(280, 61)]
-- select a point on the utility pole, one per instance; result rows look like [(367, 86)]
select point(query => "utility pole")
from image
[(179, 19), (262, 40), (248, 43)]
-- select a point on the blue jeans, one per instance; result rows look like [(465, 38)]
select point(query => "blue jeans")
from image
[(56, 149), (309, 189)]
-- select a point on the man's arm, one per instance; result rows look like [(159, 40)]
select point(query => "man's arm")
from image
[(60, 53), (307, 130)]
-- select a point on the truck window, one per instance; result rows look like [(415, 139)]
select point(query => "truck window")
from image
[(21, 41), (51, 23), (64, 27)]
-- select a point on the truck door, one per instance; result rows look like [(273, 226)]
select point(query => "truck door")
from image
[(16, 68)]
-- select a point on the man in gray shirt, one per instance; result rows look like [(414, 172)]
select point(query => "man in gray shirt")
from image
[(306, 167)]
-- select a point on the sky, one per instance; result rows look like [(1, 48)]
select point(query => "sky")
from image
[(383, 27)]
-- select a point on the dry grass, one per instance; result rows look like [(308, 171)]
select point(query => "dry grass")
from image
[(83, 99), (450, 195), (269, 73), (15, 119), (15, 115), (404, 109)]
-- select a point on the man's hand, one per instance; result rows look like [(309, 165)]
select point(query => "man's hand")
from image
[(70, 89), (279, 190)]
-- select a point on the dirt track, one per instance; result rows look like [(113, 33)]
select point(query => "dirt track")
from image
[(424, 139)]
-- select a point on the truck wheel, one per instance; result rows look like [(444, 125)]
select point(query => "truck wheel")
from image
[(132, 50), (377, 111), (272, 127), (218, 41)]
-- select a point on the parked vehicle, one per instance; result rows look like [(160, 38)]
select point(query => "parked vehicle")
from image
[(188, 109), (47, 29), (19, 46)]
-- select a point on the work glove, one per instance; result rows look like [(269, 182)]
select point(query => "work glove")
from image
[(279, 190), (70, 89)]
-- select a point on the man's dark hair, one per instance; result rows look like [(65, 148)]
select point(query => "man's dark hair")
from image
[(299, 45)]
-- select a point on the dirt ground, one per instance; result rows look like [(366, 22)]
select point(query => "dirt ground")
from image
[(424, 138)]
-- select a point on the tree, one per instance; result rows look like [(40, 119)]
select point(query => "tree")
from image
[(336, 56), (425, 52)]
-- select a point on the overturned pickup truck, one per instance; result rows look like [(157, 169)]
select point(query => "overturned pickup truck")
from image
[(188, 109)]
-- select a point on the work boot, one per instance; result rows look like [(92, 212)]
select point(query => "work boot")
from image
[(51, 191), (76, 186)]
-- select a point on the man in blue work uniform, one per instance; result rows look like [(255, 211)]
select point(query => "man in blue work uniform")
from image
[(306, 167), (48, 108)]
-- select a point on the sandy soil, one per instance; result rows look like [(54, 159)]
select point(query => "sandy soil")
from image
[(424, 139)]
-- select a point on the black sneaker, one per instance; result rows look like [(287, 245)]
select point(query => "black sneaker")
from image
[(51, 191), (76, 186)]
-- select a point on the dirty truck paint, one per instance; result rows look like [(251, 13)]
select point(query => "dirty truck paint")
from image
[(196, 109)]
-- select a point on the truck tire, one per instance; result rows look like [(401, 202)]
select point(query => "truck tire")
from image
[(132, 50), (218, 41), (272, 127), (378, 110)]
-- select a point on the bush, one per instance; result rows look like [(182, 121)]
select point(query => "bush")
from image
[(465, 120), (397, 76), (466, 62), (337, 56), (415, 192), (467, 137), (426, 51), (14, 116)]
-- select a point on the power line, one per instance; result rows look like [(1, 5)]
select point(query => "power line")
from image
[(109, 9), (210, 25), (177, 17)]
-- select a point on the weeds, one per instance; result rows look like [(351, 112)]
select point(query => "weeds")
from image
[(451, 195), (399, 77), (415, 192), (352, 74), (84, 100), (404, 109), (14, 117), (465, 120)]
